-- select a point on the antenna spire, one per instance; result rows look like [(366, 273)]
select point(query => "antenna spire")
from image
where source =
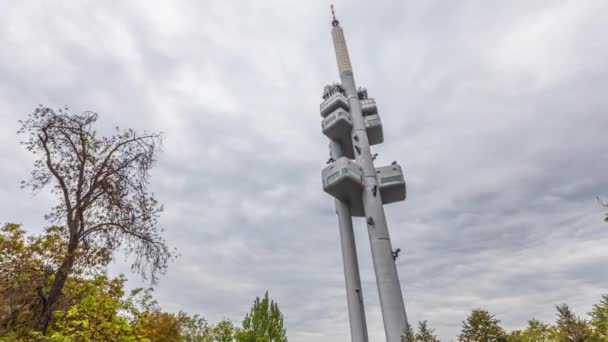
[(335, 21)]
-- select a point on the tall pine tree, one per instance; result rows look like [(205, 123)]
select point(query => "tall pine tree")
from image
[(570, 328), (425, 334), (264, 323), (599, 318), (408, 334)]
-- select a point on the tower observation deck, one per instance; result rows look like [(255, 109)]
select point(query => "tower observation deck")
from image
[(351, 121)]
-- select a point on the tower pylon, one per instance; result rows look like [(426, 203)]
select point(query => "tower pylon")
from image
[(352, 123)]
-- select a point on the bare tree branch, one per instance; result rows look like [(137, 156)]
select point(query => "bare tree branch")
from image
[(103, 183), (60, 179)]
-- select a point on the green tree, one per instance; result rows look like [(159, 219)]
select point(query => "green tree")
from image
[(97, 314), (536, 331), (425, 334), (408, 333), (599, 319), (93, 307), (22, 271), (150, 320), (160, 326), (26, 271), (194, 328), (515, 336), (481, 326), (264, 323), (101, 184), (225, 331), (570, 328), (90, 310)]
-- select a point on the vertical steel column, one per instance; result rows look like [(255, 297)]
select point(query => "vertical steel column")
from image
[(389, 289), (354, 294)]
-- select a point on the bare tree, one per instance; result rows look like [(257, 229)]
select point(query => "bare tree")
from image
[(101, 183)]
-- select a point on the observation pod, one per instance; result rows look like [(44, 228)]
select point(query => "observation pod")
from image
[(392, 183), (373, 126), (337, 127), (368, 107), (343, 179), (333, 102)]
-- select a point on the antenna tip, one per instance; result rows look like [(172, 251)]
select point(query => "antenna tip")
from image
[(335, 21)]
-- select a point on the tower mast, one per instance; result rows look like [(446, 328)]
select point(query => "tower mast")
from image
[(352, 124), (352, 279)]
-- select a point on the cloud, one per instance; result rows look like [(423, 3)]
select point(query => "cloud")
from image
[(496, 111)]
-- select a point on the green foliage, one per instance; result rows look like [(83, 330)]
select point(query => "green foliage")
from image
[(160, 326), (225, 331), (27, 267), (264, 323), (194, 328), (92, 307), (97, 314), (536, 331), (599, 319), (570, 328), (481, 326), (19, 270), (408, 333), (425, 334)]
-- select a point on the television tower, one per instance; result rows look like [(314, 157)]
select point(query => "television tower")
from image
[(352, 123)]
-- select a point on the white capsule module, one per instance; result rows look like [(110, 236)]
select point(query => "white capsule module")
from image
[(373, 126), (391, 183), (369, 107), (333, 102), (337, 126), (343, 179)]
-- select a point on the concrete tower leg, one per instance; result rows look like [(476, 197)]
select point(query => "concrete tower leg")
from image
[(387, 279), (354, 294)]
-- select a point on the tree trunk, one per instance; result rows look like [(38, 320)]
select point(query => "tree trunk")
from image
[(61, 275)]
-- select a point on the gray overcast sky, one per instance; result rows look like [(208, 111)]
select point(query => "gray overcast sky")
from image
[(497, 110)]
